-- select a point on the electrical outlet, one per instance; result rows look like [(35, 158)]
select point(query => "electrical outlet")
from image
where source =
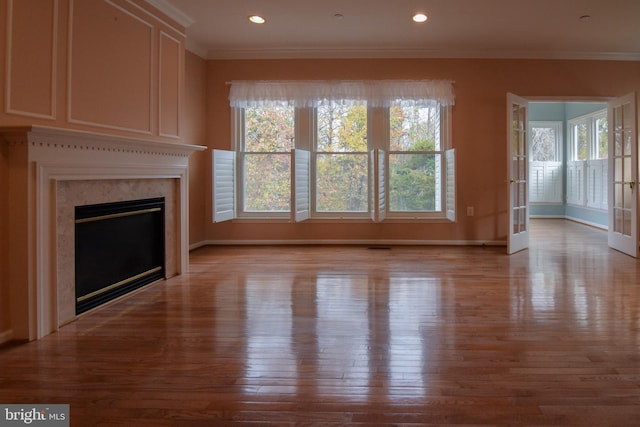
[(470, 211)]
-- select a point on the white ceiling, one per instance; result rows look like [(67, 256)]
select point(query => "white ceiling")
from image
[(383, 28)]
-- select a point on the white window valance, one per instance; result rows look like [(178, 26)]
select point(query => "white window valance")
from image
[(306, 93)]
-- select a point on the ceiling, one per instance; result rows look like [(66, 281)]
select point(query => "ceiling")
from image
[(219, 29)]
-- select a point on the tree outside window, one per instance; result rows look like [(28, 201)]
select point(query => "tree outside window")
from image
[(414, 157), (404, 158), (341, 157), (268, 140)]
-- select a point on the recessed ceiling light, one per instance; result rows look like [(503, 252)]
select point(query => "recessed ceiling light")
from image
[(420, 17), (257, 19)]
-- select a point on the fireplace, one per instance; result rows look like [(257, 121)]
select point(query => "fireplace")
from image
[(51, 171), (119, 247)]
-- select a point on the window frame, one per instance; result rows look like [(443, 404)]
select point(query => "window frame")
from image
[(589, 120), (378, 141), (546, 177), (239, 142), (587, 180), (315, 213), (557, 127), (441, 177)]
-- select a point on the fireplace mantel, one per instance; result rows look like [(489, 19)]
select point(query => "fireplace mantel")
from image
[(42, 158)]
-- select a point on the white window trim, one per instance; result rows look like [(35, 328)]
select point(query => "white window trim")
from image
[(557, 128), (238, 127), (445, 204), (378, 141), (553, 191), (589, 120), (587, 170)]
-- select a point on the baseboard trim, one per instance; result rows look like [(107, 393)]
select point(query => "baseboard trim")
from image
[(572, 219), (197, 245), (349, 242), (589, 223), (6, 336)]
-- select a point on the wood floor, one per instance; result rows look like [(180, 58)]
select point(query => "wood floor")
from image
[(357, 336)]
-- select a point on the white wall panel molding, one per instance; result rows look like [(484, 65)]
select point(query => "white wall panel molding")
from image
[(31, 78), (170, 68), (90, 84), (170, 11)]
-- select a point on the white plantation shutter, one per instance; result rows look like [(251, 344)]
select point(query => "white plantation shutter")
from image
[(378, 199), (372, 185), (575, 182), (597, 195), (224, 189), (382, 189), (301, 184), (545, 182), (536, 182), (450, 195)]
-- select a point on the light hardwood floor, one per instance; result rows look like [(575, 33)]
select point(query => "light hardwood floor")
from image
[(335, 335)]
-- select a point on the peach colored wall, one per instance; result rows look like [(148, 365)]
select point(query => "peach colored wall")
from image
[(111, 67), (479, 131), (195, 118)]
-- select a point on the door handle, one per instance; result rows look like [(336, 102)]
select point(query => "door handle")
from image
[(631, 184)]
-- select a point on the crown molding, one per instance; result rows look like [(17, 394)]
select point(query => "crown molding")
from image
[(196, 48), (172, 12), (361, 53)]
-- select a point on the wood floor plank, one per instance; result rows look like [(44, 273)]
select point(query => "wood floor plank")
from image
[(345, 335)]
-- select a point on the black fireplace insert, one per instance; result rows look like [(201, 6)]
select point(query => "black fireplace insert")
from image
[(119, 247)]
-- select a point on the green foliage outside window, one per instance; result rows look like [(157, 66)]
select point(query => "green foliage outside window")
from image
[(414, 157), (269, 138), (342, 158), (602, 131)]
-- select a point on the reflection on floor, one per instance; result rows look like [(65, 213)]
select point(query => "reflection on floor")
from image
[(337, 335)]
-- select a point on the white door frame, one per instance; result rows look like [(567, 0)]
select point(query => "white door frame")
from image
[(623, 177), (565, 99), (518, 173)]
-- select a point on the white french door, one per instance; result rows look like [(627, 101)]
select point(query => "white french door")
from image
[(517, 148), (623, 175)]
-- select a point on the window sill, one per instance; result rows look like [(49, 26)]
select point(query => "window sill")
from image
[(329, 220)]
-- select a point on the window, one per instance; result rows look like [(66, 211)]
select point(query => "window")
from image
[(587, 170), (341, 157), (367, 150), (546, 141), (601, 141), (545, 154), (415, 157), (588, 136), (579, 140), (264, 147)]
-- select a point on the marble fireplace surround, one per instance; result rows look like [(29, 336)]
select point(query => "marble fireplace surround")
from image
[(53, 170)]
